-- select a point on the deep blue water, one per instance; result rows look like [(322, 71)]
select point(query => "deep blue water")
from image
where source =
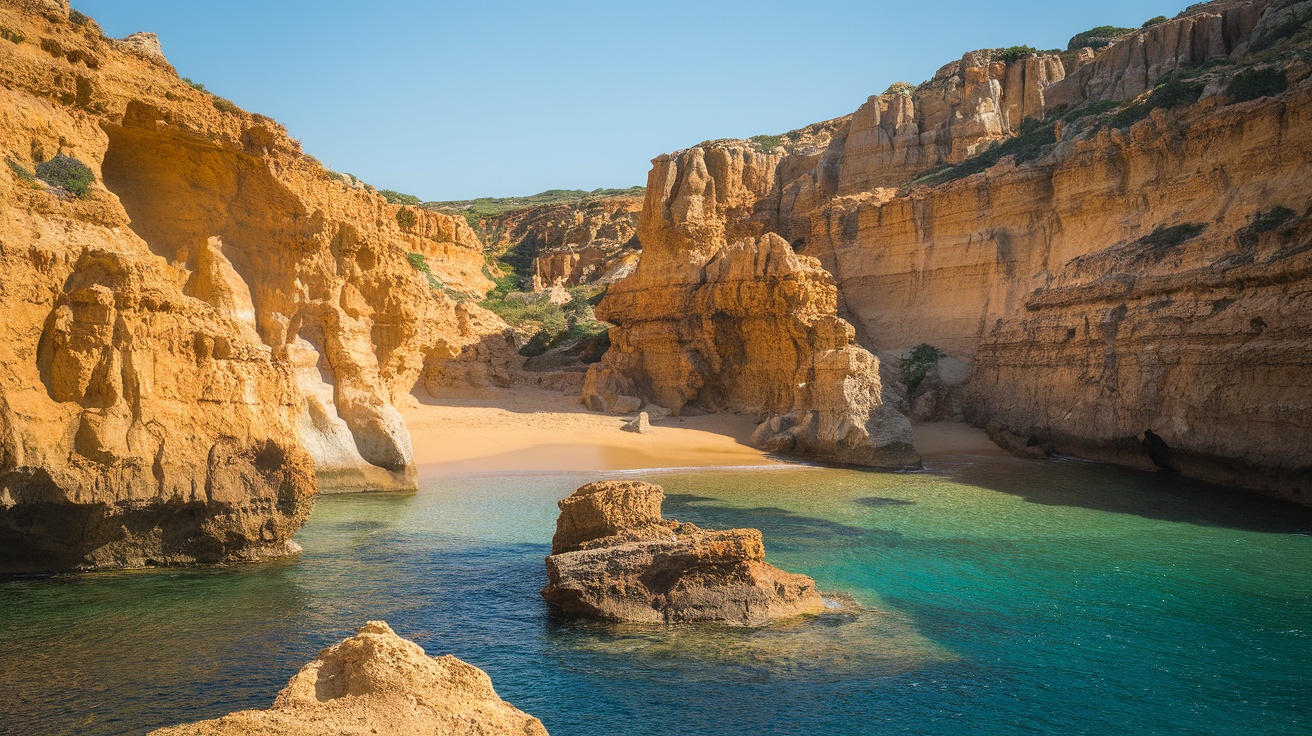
[(1000, 596)]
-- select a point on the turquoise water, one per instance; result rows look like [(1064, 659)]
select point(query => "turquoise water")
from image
[(987, 596)]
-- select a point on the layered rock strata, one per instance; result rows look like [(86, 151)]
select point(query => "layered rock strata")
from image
[(1130, 285), (377, 683), (614, 557), (213, 330)]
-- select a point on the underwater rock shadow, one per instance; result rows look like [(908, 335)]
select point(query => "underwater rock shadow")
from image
[(783, 530), (1145, 493)]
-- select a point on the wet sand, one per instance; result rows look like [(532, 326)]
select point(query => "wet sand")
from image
[(527, 429)]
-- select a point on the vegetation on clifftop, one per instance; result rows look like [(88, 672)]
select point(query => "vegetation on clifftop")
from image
[(477, 210)]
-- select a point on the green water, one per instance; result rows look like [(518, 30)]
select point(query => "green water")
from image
[(986, 596)]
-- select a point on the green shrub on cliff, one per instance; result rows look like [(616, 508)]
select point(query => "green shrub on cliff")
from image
[(194, 84), (1096, 38), (68, 174), (917, 364), (395, 197), (768, 143), (1172, 93), (226, 106), (11, 35), (1251, 84), (900, 88), (1154, 21), (21, 173), (1016, 53), (406, 218)]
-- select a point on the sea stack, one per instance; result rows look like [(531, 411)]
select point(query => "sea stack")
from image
[(614, 557), (377, 683)]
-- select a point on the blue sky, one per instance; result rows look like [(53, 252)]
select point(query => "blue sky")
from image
[(460, 100)]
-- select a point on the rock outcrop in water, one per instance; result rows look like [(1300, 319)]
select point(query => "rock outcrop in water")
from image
[(203, 325), (616, 558), (377, 684), (1118, 249)]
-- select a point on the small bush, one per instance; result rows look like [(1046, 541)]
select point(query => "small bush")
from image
[(1154, 21), (226, 106), (406, 218), (67, 173), (900, 88), (917, 364), (768, 142), (1034, 139), (395, 197), (1016, 53), (1251, 84), (194, 84), (78, 18), (11, 35), (1096, 38)]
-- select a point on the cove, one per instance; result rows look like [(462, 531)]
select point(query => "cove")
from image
[(994, 596)]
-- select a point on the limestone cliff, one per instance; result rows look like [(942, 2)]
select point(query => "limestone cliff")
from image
[(718, 319), (589, 242), (202, 329), (1118, 250)]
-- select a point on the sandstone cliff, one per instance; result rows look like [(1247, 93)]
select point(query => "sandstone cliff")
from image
[(204, 328), (616, 558), (1118, 249), (377, 683), (588, 243)]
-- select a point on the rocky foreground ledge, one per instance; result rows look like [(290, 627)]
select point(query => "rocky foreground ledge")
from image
[(379, 684), (614, 557)]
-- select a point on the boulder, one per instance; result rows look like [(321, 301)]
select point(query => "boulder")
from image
[(377, 683), (640, 424), (614, 557)]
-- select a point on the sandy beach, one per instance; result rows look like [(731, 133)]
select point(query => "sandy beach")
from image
[(527, 429)]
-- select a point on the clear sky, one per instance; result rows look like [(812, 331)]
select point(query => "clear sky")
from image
[(459, 100)]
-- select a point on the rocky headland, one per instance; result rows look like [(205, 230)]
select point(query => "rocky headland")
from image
[(204, 326), (1106, 250), (614, 557), (377, 684)]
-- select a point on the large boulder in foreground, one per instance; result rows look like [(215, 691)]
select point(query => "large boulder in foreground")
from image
[(614, 557), (379, 684)]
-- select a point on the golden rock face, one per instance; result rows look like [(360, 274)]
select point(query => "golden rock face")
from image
[(216, 330), (377, 684), (1126, 295), (615, 558)]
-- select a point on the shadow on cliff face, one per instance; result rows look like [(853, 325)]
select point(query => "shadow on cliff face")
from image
[(1120, 490)]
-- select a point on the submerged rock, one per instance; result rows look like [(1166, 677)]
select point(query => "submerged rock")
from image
[(616, 558), (378, 683)]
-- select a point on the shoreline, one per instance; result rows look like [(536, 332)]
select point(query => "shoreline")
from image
[(525, 430)]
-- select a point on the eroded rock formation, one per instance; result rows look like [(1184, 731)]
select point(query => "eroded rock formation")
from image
[(616, 558), (722, 318), (1131, 285), (377, 684), (588, 243), (215, 329)]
